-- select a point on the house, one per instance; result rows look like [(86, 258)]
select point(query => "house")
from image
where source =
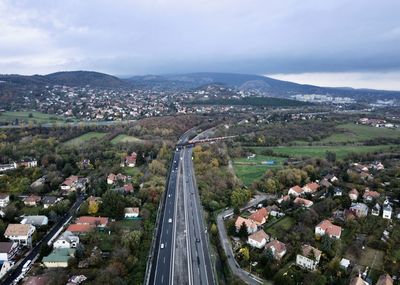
[(327, 228), (6, 167), (360, 210), (337, 192), (66, 240), (344, 263), (32, 200), (387, 212), (295, 191), (21, 234), (385, 279), (58, 257), (370, 196), (277, 248), (4, 200), (49, 201), (131, 213), (112, 178), (303, 202), (376, 165), (311, 187), (27, 163), (128, 188), (376, 210), (100, 222), (36, 221), (260, 216), (8, 250), (130, 160), (251, 226), (69, 184), (309, 257), (331, 178), (81, 229), (258, 239), (325, 183), (358, 281), (285, 198), (353, 194)]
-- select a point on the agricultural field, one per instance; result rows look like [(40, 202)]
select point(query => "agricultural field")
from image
[(358, 133), (320, 151), (125, 139), (29, 117), (249, 170), (84, 138)]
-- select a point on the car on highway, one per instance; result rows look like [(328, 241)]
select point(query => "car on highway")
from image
[(25, 267), (169, 220), (169, 195), (197, 240), (162, 246)]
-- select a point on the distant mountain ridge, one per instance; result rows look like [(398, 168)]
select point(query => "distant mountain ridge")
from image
[(247, 82)]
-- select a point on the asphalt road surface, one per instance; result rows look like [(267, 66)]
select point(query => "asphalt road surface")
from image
[(36, 249), (181, 254)]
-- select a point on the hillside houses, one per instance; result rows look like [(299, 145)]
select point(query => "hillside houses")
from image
[(19, 233), (309, 257), (250, 225)]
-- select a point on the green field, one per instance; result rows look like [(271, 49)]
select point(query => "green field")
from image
[(357, 133), (124, 139), (278, 230), (84, 138), (320, 151), (23, 117), (249, 170)]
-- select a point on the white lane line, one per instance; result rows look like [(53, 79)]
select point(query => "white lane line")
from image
[(188, 251)]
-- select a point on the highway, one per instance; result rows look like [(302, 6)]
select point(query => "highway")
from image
[(181, 252)]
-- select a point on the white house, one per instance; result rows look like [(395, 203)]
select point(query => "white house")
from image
[(353, 194), (251, 226), (66, 240), (387, 212), (360, 210), (295, 191), (21, 234), (4, 200), (258, 239), (131, 213), (35, 220), (277, 248), (326, 227), (309, 257)]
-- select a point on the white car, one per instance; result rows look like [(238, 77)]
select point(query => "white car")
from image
[(162, 246), (169, 220)]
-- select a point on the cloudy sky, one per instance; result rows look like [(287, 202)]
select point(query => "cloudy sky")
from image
[(331, 42)]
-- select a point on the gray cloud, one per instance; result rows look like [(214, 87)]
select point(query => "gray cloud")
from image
[(254, 36)]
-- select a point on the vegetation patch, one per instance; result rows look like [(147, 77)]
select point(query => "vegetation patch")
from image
[(29, 117), (278, 229), (85, 138), (125, 139)]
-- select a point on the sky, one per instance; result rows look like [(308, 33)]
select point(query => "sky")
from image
[(353, 43)]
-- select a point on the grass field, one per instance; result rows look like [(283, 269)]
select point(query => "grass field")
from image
[(84, 138), (37, 117), (124, 139), (320, 151), (278, 230), (249, 170), (357, 133), (370, 257)]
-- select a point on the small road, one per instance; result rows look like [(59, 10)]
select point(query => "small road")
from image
[(34, 252), (244, 275)]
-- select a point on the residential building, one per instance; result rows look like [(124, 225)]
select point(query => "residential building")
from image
[(66, 240), (360, 210), (69, 184), (112, 178), (370, 196), (376, 210), (131, 213), (49, 201), (128, 188), (258, 239), (277, 248), (303, 202), (385, 279), (251, 226), (358, 281), (80, 229), (353, 194), (4, 200), (58, 257), (311, 187), (36, 221), (387, 212), (100, 222), (327, 228), (130, 160), (8, 250), (309, 257), (32, 200), (21, 234), (260, 216), (7, 167), (27, 163), (295, 191), (337, 192), (331, 178)]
